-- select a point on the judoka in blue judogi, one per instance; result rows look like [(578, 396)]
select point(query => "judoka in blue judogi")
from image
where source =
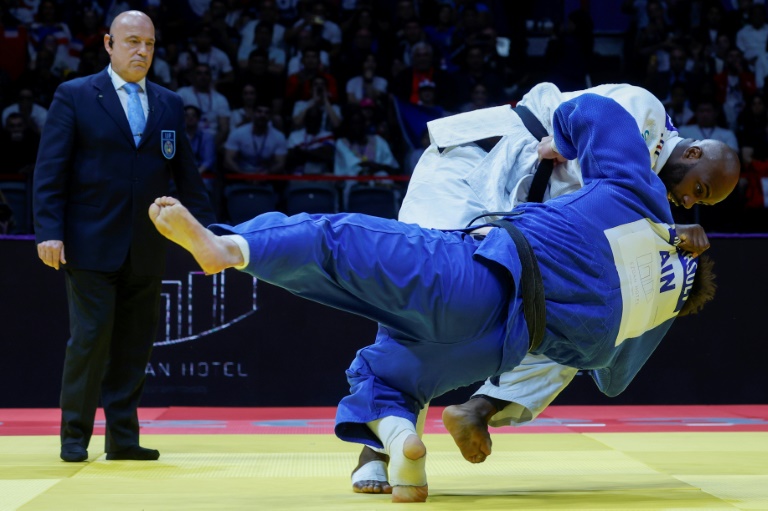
[(451, 304)]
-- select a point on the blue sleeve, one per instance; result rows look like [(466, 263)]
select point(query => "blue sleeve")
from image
[(604, 138), (630, 357)]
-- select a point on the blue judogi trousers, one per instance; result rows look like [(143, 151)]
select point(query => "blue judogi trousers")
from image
[(442, 313)]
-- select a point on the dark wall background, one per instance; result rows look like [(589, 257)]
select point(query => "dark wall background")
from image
[(291, 352)]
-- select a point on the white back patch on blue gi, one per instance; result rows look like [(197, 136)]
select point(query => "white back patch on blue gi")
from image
[(168, 143), (651, 275)]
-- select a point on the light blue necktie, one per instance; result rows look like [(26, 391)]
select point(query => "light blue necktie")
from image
[(135, 111)]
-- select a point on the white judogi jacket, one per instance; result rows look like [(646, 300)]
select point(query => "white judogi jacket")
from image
[(456, 180)]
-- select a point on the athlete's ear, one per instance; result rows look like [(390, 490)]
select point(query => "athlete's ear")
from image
[(693, 153)]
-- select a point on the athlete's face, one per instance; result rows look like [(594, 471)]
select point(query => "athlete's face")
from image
[(686, 186), (695, 179)]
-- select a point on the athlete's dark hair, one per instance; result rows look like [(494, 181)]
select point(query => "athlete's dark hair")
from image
[(703, 289)]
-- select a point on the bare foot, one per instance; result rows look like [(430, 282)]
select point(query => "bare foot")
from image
[(468, 425), (375, 472), (414, 450), (175, 222), (410, 493)]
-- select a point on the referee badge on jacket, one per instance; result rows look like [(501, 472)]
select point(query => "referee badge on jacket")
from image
[(168, 143)]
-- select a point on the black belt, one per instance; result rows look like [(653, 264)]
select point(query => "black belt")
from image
[(544, 170), (531, 285)]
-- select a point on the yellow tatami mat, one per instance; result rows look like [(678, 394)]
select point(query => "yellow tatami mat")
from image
[(571, 471)]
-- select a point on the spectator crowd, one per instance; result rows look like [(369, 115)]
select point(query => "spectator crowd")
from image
[(289, 95)]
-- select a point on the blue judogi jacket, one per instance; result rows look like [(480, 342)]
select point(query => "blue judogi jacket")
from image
[(614, 280)]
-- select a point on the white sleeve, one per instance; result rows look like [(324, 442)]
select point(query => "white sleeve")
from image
[(530, 388), (244, 249)]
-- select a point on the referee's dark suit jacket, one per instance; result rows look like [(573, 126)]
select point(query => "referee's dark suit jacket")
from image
[(92, 189), (93, 186)]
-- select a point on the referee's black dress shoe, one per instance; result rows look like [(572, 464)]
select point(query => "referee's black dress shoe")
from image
[(136, 452), (73, 452)]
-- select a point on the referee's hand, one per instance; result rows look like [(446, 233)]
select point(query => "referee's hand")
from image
[(51, 253)]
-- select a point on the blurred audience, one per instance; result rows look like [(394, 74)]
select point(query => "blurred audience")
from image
[(268, 13), (570, 50), (300, 85), (263, 39), (31, 113), (330, 112), (751, 131), (709, 123), (475, 71), (314, 17), (305, 39), (753, 37), (213, 105), (679, 105), (441, 35), (203, 52), (18, 145), (244, 114), (405, 85), (203, 145), (257, 147), (223, 20), (267, 83), (733, 86), (660, 81), (359, 153), (368, 84), (268, 87), (310, 148), (478, 98)]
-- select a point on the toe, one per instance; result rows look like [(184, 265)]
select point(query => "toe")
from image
[(371, 487)]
